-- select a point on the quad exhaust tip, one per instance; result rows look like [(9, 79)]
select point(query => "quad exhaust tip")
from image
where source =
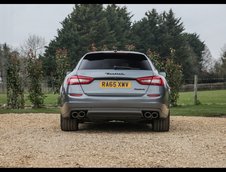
[(151, 115), (74, 114), (78, 114), (148, 115), (155, 114), (81, 114)]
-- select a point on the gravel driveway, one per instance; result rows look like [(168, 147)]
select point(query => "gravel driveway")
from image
[(35, 140)]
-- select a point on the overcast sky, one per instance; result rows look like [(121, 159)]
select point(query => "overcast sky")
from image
[(19, 21)]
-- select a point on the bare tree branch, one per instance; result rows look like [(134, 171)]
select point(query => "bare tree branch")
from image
[(35, 44)]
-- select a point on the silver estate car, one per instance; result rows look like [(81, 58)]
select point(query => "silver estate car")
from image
[(114, 86)]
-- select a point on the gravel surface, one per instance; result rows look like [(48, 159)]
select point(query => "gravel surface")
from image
[(36, 140)]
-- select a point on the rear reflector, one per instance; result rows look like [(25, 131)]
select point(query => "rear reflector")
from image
[(150, 80), (153, 95), (76, 80), (75, 95)]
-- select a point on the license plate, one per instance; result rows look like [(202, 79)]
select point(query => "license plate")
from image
[(115, 84)]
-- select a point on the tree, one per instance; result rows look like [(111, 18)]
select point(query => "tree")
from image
[(88, 25), (163, 32), (85, 26), (223, 63), (2, 67), (62, 64), (32, 66), (196, 48), (219, 69), (34, 43), (173, 73), (207, 60), (49, 63), (34, 73), (145, 31), (15, 90), (119, 26), (174, 77)]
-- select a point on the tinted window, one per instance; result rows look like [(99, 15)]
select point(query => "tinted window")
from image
[(115, 61)]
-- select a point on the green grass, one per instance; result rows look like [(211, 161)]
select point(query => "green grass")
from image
[(199, 110), (213, 103), (50, 105), (2, 99), (205, 97), (49, 101)]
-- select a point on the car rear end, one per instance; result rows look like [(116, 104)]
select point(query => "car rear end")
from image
[(108, 86)]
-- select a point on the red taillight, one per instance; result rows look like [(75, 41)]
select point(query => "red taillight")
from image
[(75, 80), (157, 80), (151, 80)]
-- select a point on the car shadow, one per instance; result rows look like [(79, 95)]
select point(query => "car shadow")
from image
[(115, 127)]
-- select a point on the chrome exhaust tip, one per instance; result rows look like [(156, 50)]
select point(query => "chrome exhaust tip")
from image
[(74, 114), (81, 114), (148, 115), (155, 114)]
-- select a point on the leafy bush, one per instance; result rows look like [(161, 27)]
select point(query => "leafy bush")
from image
[(62, 65), (15, 91), (173, 73), (34, 71)]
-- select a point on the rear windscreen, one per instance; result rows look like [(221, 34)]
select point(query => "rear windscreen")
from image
[(115, 61)]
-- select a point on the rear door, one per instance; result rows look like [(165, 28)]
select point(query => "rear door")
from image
[(115, 74)]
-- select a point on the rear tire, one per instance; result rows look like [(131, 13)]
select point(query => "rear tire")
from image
[(68, 124), (161, 124)]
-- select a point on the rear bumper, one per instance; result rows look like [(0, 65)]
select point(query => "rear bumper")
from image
[(118, 108)]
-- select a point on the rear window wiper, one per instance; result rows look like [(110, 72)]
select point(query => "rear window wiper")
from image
[(123, 67)]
